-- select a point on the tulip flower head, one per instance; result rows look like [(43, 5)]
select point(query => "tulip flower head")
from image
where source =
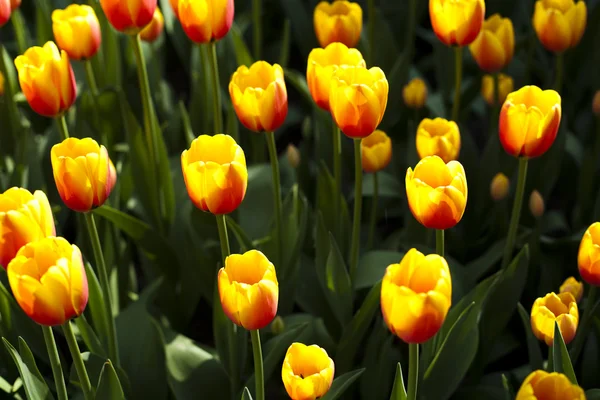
[(596, 104), (573, 286), (376, 150), (542, 385), (77, 31), (529, 121), (415, 93), (588, 258), (358, 99), (505, 86), (215, 174), (438, 137), (249, 290), (47, 79), (456, 22), (205, 21), (560, 308), (48, 281), (24, 218), (495, 45), (129, 16), (437, 192), (307, 372), (416, 296), (340, 21), (5, 12), (153, 30), (14, 4), (322, 64), (559, 24), (499, 187), (536, 204), (259, 96)]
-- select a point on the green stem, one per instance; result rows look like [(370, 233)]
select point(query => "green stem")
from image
[(371, 27), (496, 95), (91, 78), (216, 86), (258, 365), (413, 370), (375, 200), (337, 173), (582, 330), (516, 212), (63, 129), (458, 59), (560, 66), (257, 31), (223, 237), (439, 242), (276, 195), (57, 372), (354, 249), (113, 349), (19, 27), (84, 379)]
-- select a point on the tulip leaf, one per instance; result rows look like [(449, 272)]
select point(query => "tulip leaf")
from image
[(35, 386), (89, 337), (508, 392), (560, 355), (299, 82), (96, 308), (243, 240), (593, 394), (242, 53), (246, 394), (399, 389), (533, 347), (341, 384), (109, 386), (372, 267)]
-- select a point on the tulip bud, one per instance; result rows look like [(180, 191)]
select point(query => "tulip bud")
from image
[(293, 156), (562, 309), (204, 21), (573, 286), (596, 104), (5, 12), (277, 326), (499, 187), (153, 30), (340, 21), (540, 385), (77, 31), (588, 257), (438, 137), (494, 47), (307, 372), (505, 86), (376, 151), (559, 24), (536, 204), (456, 22), (48, 281), (130, 16), (415, 93)]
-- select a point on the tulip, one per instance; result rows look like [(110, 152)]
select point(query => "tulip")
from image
[(175, 7), (83, 173), (1, 83), (129, 16), (153, 30), (205, 21), (505, 86), (596, 104), (48, 281), (573, 286), (322, 64), (494, 47), (376, 151), (529, 121), (259, 96), (249, 290), (340, 21), (437, 192), (415, 93), (542, 385), (358, 99), (456, 22), (559, 24), (24, 218), (562, 309), (588, 258), (47, 79), (499, 187), (5, 11), (293, 155), (536, 204), (438, 137), (416, 296), (307, 372), (77, 31), (214, 169), (14, 4)]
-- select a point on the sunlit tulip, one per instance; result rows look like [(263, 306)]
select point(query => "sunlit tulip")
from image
[(505, 87), (542, 385), (573, 286), (204, 21), (214, 169), (499, 187), (5, 11), (437, 192), (322, 63), (24, 218), (416, 295), (536, 204), (559, 24), (376, 150), (47, 79), (153, 30), (415, 93), (596, 104), (340, 21), (82, 172), (293, 155), (307, 372), (249, 290), (358, 99), (560, 308), (529, 121), (438, 137), (259, 96), (129, 16), (494, 47), (456, 22), (77, 31), (175, 7), (589, 255)]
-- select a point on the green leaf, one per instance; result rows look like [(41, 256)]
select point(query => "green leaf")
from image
[(593, 394), (35, 386), (341, 384), (242, 53), (246, 395), (398, 390), (389, 186), (299, 82), (89, 337), (507, 389), (109, 386), (372, 266), (243, 240), (96, 307), (533, 347), (560, 354), (326, 191)]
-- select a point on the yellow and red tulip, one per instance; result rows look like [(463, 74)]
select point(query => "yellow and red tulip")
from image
[(438, 137), (415, 93), (129, 16), (494, 47), (573, 286), (376, 151), (559, 24), (5, 11), (505, 87), (456, 22), (77, 31), (588, 258), (153, 30), (307, 372), (555, 308), (204, 21), (542, 385), (340, 21)]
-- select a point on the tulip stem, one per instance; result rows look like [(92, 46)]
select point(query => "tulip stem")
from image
[(57, 372), (337, 173), (458, 60), (216, 86), (371, 54), (413, 370), (582, 331), (560, 66), (84, 379), (375, 200), (516, 212), (19, 27), (223, 237), (259, 378), (270, 136), (257, 32), (354, 249), (439, 242), (91, 78), (113, 349), (63, 129)]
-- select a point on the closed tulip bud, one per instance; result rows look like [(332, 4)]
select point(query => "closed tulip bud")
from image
[(588, 258), (340, 21), (293, 156), (205, 21), (83, 173), (536, 204), (596, 104), (456, 22), (437, 192), (278, 325), (416, 295), (505, 86), (153, 30), (322, 64), (129, 16), (307, 372), (542, 385), (499, 187), (529, 121), (358, 99), (494, 47), (415, 93), (215, 174), (5, 11), (77, 31), (259, 96), (24, 218), (559, 24), (438, 137), (573, 286), (560, 308), (249, 290), (47, 79), (175, 7), (376, 151)]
